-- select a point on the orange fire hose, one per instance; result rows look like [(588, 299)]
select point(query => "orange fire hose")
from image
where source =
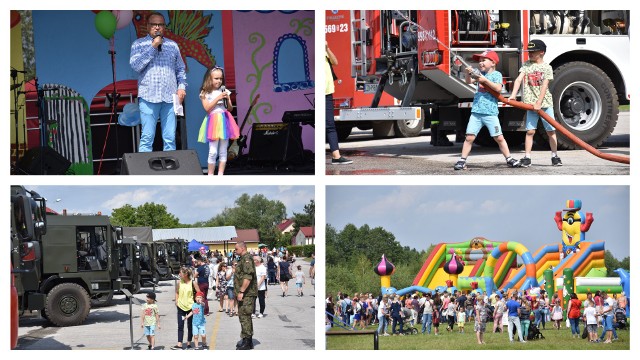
[(561, 129)]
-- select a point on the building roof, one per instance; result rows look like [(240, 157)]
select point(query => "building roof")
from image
[(247, 235), (205, 235), (284, 225), (308, 231)]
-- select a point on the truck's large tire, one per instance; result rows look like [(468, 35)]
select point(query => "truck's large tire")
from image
[(68, 304), (405, 129), (585, 102)]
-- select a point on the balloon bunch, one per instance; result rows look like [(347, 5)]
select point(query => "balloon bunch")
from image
[(107, 22)]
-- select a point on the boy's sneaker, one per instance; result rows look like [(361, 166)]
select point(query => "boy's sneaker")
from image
[(341, 161), (555, 161), (513, 163), (460, 165), (260, 316), (525, 162)]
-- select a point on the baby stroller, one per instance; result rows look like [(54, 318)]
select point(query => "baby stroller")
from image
[(407, 329), (620, 318), (534, 333)]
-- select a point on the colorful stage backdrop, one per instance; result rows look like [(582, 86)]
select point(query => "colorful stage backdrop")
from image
[(270, 53)]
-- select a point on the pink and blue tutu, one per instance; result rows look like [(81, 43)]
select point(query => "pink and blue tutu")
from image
[(218, 125)]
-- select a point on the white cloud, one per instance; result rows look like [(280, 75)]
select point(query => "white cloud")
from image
[(494, 207), (134, 198)]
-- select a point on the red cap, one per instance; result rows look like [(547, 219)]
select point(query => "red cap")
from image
[(489, 54), (200, 293)]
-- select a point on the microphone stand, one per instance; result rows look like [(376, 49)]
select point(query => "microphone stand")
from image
[(115, 100)]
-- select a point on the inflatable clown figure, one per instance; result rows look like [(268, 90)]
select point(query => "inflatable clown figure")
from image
[(574, 224)]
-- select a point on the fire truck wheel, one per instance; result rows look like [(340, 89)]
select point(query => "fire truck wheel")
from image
[(585, 102), (68, 304), (406, 129), (343, 132)]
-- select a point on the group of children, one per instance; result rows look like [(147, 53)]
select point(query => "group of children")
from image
[(151, 320), (535, 74)]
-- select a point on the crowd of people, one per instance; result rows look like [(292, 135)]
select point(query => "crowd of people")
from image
[(235, 280), (524, 314)]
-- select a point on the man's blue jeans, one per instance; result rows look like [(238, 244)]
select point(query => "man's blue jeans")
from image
[(149, 114)]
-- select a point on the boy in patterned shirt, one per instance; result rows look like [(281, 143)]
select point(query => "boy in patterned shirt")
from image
[(150, 319), (199, 321), (537, 74), (484, 111)]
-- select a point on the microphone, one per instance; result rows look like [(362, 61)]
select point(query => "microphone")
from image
[(159, 46), (223, 89)]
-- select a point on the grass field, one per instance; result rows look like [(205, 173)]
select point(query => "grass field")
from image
[(554, 340)]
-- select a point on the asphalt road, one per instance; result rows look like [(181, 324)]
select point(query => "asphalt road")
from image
[(288, 324), (414, 156)]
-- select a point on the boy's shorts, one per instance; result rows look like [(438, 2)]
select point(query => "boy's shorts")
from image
[(477, 121), (150, 330), (199, 330), (461, 324), (299, 285), (592, 328), (532, 119)]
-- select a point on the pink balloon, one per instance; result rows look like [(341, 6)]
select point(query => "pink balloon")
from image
[(123, 18)]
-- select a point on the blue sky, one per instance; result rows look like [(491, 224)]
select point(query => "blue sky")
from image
[(188, 203), (419, 216)]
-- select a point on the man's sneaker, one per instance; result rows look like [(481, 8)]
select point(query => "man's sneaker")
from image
[(555, 161), (341, 161), (260, 316), (525, 162), (253, 316), (461, 164), (513, 163)]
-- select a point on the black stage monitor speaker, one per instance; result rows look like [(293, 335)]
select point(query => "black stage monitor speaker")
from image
[(43, 161), (276, 143), (179, 162)]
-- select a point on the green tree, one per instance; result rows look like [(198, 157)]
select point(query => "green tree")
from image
[(611, 263), (253, 212), (306, 218), (148, 214)]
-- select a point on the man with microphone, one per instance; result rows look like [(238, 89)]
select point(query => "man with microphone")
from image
[(161, 74)]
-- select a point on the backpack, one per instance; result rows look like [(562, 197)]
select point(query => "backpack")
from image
[(349, 309)]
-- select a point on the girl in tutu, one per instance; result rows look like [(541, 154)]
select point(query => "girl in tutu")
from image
[(219, 126)]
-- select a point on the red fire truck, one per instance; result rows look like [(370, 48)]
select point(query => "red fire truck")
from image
[(400, 71)]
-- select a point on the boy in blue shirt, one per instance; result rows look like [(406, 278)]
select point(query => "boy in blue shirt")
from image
[(484, 111), (199, 322)]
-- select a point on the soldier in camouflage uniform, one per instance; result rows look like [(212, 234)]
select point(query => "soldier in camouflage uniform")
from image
[(246, 287)]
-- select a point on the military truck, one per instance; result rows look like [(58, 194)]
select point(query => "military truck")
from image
[(154, 263), (177, 252), (28, 224), (71, 266), (129, 263)]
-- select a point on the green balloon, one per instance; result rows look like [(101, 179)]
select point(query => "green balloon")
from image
[(106, 24)]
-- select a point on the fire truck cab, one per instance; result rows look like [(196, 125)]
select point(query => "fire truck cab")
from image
[(400, 71)]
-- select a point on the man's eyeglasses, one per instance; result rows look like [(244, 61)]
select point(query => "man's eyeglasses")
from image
[(160, 25)]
